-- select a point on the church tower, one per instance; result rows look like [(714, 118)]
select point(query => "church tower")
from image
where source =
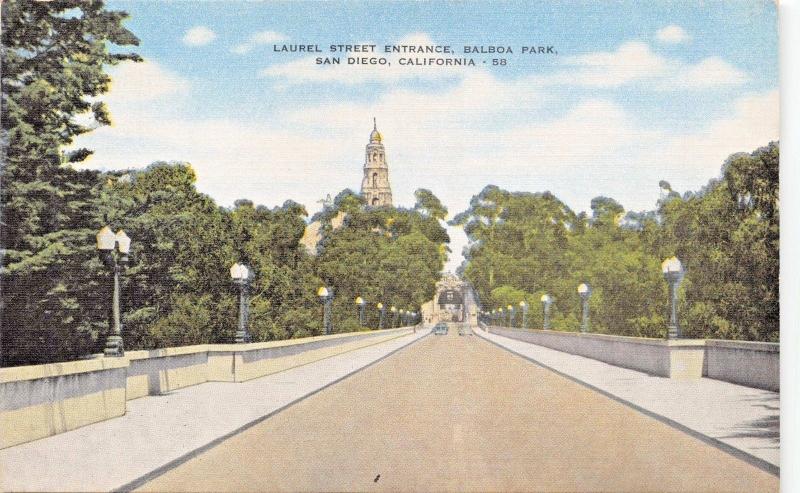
[(375, 186)]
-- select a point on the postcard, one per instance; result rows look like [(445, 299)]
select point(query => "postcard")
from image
[(390, 246)]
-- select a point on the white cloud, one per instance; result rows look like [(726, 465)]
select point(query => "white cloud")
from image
[(632, 61), (690, 159), (258, 39), (199, 36), (144, 81), (672, 34), (304, 70), (635, 61), (708, 73)]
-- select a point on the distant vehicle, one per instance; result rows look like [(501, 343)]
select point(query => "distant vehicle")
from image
[(464, 330), (440, 329)]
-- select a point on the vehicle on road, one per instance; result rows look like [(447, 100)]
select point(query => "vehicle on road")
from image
[(440, 329)]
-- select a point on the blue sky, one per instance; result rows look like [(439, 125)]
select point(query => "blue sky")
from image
[(638, 92)]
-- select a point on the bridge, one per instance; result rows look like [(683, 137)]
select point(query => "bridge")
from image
[(399, 409)]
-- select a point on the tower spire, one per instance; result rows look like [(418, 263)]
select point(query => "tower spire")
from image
[(374, 124)]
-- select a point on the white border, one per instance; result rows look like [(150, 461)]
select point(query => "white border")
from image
[(789, 15)]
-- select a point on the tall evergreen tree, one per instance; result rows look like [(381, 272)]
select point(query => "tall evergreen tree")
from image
[(54, 56)]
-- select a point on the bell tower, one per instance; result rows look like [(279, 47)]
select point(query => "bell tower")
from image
[(375, 186)]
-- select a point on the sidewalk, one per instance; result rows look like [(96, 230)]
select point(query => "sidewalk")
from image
[(740, 420), (158, 431)]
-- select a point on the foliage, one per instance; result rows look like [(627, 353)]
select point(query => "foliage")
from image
[(54, 54), (388, 255), (726, 235)]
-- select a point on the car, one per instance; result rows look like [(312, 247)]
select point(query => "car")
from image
[(440, 329)]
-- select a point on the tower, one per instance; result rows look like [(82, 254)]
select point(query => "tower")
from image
[(375, 186)]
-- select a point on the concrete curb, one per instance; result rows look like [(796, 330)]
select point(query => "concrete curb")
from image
[(144, 479), (735, 452)]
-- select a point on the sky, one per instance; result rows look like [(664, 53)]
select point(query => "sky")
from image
[(635, 93)]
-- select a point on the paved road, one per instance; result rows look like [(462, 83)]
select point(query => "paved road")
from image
[(457, 413)]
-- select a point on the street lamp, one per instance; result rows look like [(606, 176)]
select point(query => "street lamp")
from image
[(382, 309), (500, 316), (524, 307), (394, 315), (360, 303), (585, 291), (510, 309), (240, 274), (547, 300), (113, 250), (326, 298), (673, 274)]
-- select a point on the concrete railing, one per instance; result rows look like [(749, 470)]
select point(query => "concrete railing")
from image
[(753, 364), (43, 400)]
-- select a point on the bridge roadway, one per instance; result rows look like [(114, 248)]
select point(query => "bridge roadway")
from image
[(458, 413)]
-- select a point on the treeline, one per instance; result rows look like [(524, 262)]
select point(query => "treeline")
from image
[(56, 293), (524, 245), (178, 291)]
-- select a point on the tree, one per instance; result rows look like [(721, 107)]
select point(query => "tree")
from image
[(386, 254), (726, 235), (54, 57)]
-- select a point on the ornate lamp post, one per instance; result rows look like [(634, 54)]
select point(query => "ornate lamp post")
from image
[(326, 298), (360, 303), (382, 310), (673, 274), (510, 309), (585, 291), (240, 274), (524, 308), (500, 316), (393, 309), (547, 300), (113, 250)]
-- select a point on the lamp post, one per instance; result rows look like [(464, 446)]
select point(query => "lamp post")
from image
[(360, 303), (500, 316), (547, 300), (382, 310), (511, 313), (585, 291), (673, 274), (394, 315), (240, 274), (326, 298), (524, 308), (113, 250)]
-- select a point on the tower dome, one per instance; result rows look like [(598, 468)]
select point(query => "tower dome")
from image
[(375, 136)]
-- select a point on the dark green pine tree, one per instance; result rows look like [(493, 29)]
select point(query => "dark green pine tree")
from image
[(53, 56)]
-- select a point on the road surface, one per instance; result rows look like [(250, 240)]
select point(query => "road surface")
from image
[(453, 413)]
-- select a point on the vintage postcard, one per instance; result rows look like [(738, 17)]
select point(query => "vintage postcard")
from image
[(390, 246)]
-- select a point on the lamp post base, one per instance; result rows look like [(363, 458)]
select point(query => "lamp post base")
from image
[(241, 337), (114, 347), (673, 332)]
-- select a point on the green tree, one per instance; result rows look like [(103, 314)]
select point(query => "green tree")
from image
[(54, 55)]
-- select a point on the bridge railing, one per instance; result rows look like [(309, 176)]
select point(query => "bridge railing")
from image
[(752, 364), (43, 400)]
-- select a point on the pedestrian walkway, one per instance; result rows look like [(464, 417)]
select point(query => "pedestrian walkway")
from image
[(159, 431), (741, 420)]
